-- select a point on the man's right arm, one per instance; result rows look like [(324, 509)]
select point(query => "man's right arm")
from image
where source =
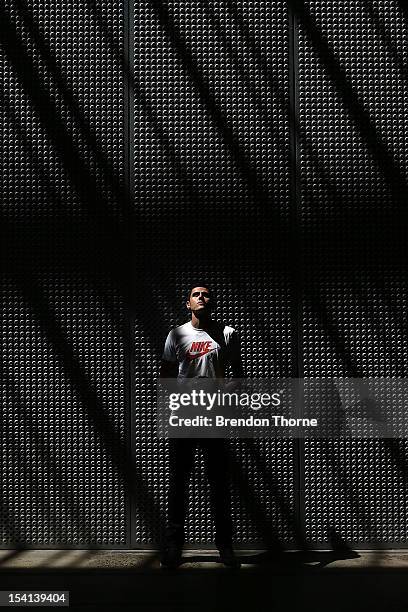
[(168, 369)]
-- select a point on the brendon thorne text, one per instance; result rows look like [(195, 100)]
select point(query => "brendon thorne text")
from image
[(251, 421)]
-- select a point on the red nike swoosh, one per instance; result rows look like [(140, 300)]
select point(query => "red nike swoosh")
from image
[(195, 355)]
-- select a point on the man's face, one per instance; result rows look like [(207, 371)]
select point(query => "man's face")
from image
[(200, 300)]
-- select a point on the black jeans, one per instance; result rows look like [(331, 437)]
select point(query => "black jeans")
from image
[(215, 453)]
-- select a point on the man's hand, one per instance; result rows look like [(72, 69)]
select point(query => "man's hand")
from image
[(232, 385)]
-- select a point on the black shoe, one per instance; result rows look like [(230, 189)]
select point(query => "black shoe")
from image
[(171, 558), (228, 558)]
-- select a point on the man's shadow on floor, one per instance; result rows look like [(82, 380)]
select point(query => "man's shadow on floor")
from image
[(277, 557), (289, 560)]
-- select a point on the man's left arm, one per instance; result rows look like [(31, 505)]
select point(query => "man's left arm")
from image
[(235, 362)]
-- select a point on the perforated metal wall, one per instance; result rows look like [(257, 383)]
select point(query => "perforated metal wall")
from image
[(63, 360), (352, 116), (262, 146)]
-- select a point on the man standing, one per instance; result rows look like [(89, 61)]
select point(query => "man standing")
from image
[(201, 348)]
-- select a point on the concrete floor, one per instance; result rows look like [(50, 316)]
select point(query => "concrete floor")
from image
[(133, 580)]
